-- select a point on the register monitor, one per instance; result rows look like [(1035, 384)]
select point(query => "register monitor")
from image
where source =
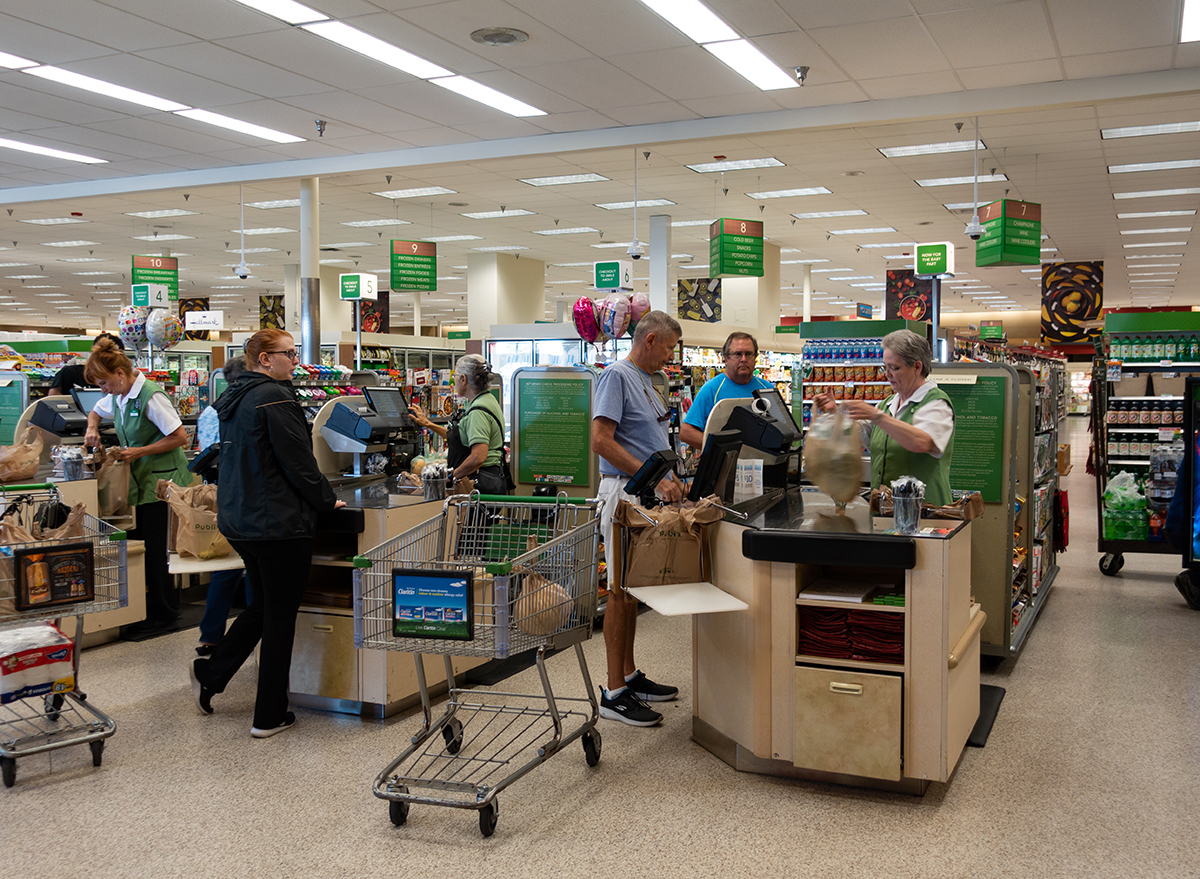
[(86, 399), (388, 403), (717, 471)]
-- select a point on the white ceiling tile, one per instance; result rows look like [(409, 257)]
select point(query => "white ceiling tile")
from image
[(24, 96), (597, 83), (1013, 32), (685, 73), (877, 49), (640, 114), (220, 64), (929, 7), (105, 25), (821, 95), (306, 54), (172, 131), (582, 120), (1084, 27), (591, 25), (43, 44), (1116, 63), (160, 79), (1004, 75), (939, 82), (732, 104)]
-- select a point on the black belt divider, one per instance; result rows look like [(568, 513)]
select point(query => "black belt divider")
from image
[(810, 548)]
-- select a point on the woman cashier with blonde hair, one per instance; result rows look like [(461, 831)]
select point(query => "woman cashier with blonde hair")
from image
[(152, 440)]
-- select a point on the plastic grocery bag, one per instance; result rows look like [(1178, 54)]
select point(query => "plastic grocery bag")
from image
[(21, 461), (1122, 493), (833, 456), (112, 482)]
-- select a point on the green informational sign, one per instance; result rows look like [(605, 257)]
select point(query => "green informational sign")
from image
[(1012, 234), (459, 334), (414, 265), (793, 329), (162, 270), (735, 248), (978, 459), (613, 275), (12, 399), (356, 286), (554, 423), (935, 259), (991, 331)]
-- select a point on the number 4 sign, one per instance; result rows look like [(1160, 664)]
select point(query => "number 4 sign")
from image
[(152, 295)]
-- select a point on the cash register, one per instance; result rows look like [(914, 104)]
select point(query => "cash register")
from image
[(367, 426), (766, 429)]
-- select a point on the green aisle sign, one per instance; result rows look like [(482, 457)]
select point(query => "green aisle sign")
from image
[(162, 270), (991, 329), (414, 265), (977, 463), (458, 334), (555, 425), (735, 248), (1012, 234)]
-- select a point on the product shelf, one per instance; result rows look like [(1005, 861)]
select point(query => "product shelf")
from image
[(847, 605), (849, 664)]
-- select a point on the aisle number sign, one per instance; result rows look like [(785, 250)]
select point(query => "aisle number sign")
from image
[(935, 260), (614, 274), (358, 285), (735, 248), (1012, 234), (152, 295), (991, 329), (162, 270), (414, 265)]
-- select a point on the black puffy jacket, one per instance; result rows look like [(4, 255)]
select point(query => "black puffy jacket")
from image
[(270, 487)]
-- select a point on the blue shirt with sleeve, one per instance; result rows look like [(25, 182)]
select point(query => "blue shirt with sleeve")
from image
[(208, 428), (624, 395), (720, 387)]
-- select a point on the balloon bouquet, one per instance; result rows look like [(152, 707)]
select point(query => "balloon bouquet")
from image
[(611, 318), (140, 326)]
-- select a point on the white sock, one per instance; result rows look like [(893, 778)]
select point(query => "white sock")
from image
[(629, 678), (613, 694)]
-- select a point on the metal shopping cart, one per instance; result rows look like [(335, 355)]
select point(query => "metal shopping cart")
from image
[(530, 565), (44, 722)]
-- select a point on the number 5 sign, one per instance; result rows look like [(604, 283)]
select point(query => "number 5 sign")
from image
[(358, 286)]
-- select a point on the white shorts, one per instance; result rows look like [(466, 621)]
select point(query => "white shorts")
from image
[(609, 493)]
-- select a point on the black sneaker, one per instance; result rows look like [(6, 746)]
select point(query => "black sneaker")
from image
[(1183, 582), (202, 694), (289, 720), (648, 691), (628, 708)]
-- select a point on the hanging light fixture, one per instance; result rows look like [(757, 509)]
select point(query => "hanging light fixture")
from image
[(974, 228)]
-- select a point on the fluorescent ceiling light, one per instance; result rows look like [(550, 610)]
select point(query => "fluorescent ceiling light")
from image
[(880, 286), (815, 271), (897, 255), (1147, 274), (789, 193), (692, 223), (1154, 193), (548, 282), (745, 59), (351, 244), (557, 265), (275, 203), (612, 244), (955, 181), (484, 94), (564, 179), (861, 231), (683, 256), (285, 10), (736, 165), (262, 230), (1147, 231), (437, 239), (694, 19), (1155, 265), (801, 262), (161, 237), (102, 284), (892, 244), (641, 203), (158, 215), (25, 277), (52, 153), (1154, 256), (40, 287), (495, 215), (335, 261), (928, 149), (854, 278), (93, 273), (82, 258), (418, 192), (239, 126), (365, 224), (1157, 244), (820, 215), (989, 296), (1031, 271), (100, 87), (1147, 215), (230, 286), (1189, 30), (254, 250), (375, 49), (574, 231), (15, 62), (965, 205), (1055, 249), (1154, 166), (13, 265), (70, 244), (1148, 130), (500, 247)]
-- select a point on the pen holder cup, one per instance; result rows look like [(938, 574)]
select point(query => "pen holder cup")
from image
[(907, 513)]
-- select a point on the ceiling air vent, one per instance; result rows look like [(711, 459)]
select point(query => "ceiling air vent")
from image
[(499, 36)]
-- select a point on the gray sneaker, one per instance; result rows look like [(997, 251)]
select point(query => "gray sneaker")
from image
[(628, 708)]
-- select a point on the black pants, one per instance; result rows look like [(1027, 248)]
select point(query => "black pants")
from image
[(162, 604), (277, 573)]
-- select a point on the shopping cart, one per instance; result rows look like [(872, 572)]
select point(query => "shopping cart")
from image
[(534, 565), (36, 724)]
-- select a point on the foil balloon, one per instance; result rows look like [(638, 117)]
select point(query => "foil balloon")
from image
[(132, 325), (614, 315), (585, 319), (639, 304), (163, 329)]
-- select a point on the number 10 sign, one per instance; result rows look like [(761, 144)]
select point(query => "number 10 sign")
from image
[(414, 265)]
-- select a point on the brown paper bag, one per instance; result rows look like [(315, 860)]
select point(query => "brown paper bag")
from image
[(543, 608), (70, 529), (112, 482), (21, 461), (195, 512), (11, 534), (673, 549)]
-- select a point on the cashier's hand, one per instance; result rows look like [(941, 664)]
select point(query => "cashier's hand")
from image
[(861, 410), (91, 438), (339, 504), (669, 490), (130, 454), (825, 402), (418, 415)]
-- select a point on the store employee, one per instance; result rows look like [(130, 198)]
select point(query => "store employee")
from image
[(737, 381), (912, 431)]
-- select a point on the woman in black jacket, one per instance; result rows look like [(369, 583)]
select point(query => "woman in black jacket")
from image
[(267, 503)]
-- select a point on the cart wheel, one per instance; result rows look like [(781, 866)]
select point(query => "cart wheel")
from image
[(591, 746), (97, 751), (398, 812), (54, 704), (487, 818), (8, 767), (1111, 562), (452, 732)]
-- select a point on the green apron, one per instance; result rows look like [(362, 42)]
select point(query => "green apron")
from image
[(890, 460), (134, 429)]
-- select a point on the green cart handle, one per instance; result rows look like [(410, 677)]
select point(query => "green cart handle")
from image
[(38, 486)]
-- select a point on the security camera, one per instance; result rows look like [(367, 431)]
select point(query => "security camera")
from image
[(636, 251), (974, 229), (243, 270), (801, 74)]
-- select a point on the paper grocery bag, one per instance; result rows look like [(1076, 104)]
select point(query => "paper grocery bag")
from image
[(112, 482), (21, 461), (195, 512), (673, 547)]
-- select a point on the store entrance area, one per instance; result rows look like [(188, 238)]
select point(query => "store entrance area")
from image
[(1090, 760)]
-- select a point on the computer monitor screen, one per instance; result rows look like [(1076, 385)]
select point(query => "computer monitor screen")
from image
[(778, 410), (1189, 481), (388, 402), (717, 470), (86, 398)]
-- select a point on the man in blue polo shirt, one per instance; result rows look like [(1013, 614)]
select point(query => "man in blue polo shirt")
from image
[(737, 381)]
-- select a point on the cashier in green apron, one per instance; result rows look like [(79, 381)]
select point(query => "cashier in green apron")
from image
[(152, 440), (912, 430)]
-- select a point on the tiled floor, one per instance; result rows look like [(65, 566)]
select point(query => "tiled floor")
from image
[(1091, 771)]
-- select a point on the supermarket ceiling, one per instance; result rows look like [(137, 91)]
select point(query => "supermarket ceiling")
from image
[(593, 88)]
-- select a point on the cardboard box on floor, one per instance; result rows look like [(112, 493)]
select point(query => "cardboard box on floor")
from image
[(1064, 459)]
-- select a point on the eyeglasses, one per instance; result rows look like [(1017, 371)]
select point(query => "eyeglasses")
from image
[(742, 355), (290, 354)]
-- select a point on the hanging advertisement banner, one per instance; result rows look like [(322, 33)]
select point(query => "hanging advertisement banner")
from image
[(193, 306), (907, 297), (700, 299), (271, 314), (376, 313), (1072, 296)]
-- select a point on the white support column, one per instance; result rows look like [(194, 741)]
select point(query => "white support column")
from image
[(807, 293), (416, 312), (662, 278), (310, 270)]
